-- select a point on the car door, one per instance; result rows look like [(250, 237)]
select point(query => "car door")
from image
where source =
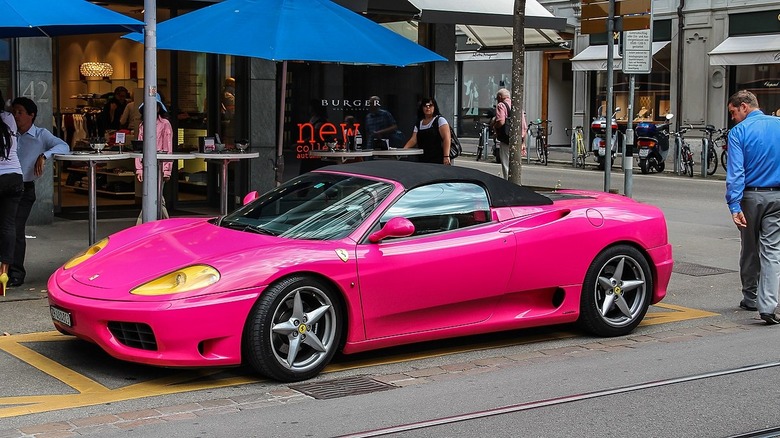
[(451, 272)]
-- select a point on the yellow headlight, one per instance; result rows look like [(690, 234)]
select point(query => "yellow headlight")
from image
[(182, 280), (92, 250)]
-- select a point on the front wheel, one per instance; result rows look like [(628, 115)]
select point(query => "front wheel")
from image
[(579, 161), (712, 161), (616, 293), (539, 150), (689, 165), (293, 330)]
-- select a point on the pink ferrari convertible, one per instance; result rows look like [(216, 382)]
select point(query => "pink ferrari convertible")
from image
[(364, 256)]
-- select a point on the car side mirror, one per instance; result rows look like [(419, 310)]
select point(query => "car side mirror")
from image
[(395, 227), (251, 196)]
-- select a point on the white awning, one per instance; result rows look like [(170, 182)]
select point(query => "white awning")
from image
[(493, 37), (594, 58), (498, 13), (747, 50)]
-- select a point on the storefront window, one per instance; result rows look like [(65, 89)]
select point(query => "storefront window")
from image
[(651, 96), (480, 82), (764, 81)]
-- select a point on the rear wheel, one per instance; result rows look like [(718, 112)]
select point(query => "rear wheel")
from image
[(616, 293), (294, 329), (644, 167), (579, 161), (712, 161), (724, 158)]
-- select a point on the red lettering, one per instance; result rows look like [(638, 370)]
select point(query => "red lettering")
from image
[(302, 127), (327, 129)]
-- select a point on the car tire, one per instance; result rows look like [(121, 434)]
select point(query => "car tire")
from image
[(616, 293), (299, 311)]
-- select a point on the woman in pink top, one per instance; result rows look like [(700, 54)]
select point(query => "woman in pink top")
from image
[(164, 146)]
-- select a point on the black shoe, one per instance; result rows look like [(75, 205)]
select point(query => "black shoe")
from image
[(770, 318), (15, 282), (744, 306)]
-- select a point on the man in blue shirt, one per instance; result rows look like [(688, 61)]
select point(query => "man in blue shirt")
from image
[(753, 197), (34, 146), (380, 125)]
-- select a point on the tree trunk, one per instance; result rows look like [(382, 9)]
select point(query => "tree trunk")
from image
[(518, 74)]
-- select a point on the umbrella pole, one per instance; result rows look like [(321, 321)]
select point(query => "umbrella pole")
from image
[(279, 168)]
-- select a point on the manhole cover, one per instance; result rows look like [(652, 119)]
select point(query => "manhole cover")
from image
[(697, 270), (341, 387)]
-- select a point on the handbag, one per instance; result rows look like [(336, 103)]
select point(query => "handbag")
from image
[(455, 148)]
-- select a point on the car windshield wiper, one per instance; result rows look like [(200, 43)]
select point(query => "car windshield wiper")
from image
[(259, 230)]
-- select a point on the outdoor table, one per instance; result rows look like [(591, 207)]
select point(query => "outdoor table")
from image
[(92, 158), (341, 156), (224, 160), (161, 158), (398, 153)]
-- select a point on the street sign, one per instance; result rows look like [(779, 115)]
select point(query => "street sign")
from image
[(629, 15), (638, 51)]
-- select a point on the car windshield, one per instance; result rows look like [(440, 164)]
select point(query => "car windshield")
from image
[(318, 206)]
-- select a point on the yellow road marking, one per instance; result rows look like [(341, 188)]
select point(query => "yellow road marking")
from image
[(90, 393)]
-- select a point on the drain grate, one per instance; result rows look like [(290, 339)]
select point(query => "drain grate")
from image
[(341, 387), (698, 270)]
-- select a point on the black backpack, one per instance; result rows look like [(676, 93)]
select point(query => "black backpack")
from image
[(502, 133)]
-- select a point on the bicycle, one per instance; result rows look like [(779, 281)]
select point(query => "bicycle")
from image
[(484, 136), (578, 146), (723, 139), (686, 156), (708, 144), (540, 129)]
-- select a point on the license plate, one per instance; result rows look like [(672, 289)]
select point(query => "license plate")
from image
[(643, 153), (602, 151), (60, 316)]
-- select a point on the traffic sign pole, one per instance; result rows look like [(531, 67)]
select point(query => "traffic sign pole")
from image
[(610, 93)]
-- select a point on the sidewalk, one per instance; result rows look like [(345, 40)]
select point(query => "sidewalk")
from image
[(50, 246)]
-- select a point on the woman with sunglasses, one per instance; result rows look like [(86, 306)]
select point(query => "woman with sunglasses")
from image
[(431, 134)]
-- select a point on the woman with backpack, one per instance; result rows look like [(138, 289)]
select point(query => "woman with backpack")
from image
[(431, 134)]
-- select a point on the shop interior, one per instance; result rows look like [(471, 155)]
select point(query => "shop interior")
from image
[(89, 68)]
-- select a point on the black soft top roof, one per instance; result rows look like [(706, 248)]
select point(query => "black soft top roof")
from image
[(501, 192)]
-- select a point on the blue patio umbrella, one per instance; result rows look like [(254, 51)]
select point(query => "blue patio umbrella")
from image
[(288, 30), (48, 18), (294, 30)]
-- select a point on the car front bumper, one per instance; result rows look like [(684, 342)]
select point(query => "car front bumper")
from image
[(189, 332)]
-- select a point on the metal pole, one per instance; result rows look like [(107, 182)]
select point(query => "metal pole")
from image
[(150, 188), (610, 86), (628, 147)]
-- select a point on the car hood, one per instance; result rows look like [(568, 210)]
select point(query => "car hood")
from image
[(141, 254)]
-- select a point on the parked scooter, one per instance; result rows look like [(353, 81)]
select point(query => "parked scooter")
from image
[(653, 145), (599, 144)]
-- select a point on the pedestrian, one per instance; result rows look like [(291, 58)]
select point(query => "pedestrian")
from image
[(500, 125), (11, 187), (111, 115), (164, 142), (35, 146), (431, 133), (753, 197), (380, 125)]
